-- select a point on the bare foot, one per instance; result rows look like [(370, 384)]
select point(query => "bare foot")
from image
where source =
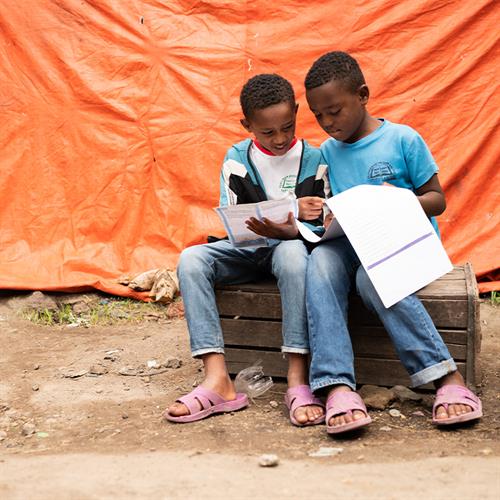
[(297, 375), (309, 413), (454, 410), (344, 418), (223, 387)]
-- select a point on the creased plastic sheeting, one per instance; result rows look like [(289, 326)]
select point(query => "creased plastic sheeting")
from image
[(116, 116)]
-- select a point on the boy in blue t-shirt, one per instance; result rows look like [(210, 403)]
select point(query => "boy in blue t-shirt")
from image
[(366, 150)]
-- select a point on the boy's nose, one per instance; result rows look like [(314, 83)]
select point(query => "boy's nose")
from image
[(280, 139), (326, 122)]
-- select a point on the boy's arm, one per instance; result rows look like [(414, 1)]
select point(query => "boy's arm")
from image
[(431, 197), (423, 170)]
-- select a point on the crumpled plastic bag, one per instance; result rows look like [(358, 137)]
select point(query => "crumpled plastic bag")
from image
[(252, 380)]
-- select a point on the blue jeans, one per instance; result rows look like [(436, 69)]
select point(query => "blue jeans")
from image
[(332, 270), (201, 267)]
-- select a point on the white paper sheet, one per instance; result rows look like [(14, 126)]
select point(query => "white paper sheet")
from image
[(392, 237), (234, 216), (334, 230)]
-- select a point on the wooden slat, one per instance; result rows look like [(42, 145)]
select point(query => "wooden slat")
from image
[(385, 372), (269, 285), (257, 333), (267, 334), (249, 304), (444, 313), (473, 327), (444, 289)]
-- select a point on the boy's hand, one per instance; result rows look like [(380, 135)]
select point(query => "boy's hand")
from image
[(310, 207), (285, 231)]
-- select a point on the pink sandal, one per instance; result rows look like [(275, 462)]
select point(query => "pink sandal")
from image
[(298, 396), (456, 394), (210, 402), (345, 402)]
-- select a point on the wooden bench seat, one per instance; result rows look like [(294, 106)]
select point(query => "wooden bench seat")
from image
[(251, 321)]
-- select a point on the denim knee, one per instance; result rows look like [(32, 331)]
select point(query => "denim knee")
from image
[(290, 257), (194, 262), (328, 266)]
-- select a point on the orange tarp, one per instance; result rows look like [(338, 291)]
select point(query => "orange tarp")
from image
[(116, 116)]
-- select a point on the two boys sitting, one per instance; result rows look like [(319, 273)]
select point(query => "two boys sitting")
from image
[(315, 285)]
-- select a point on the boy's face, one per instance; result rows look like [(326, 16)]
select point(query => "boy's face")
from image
[(339, 111), (274, 126)]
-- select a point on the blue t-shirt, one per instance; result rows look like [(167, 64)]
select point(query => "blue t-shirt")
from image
[(392, 153)]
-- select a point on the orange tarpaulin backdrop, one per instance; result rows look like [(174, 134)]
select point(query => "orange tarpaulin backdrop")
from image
[(116, 116)]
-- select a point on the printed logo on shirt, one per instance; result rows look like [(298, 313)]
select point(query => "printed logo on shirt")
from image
[(288, 183), (381, 171)]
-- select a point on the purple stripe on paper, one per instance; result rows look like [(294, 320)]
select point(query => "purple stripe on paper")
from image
[(402, 249)]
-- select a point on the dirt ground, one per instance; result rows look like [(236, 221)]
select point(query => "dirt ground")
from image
[(80, 418)]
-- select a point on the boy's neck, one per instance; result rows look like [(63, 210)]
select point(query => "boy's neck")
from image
[(367, 126)]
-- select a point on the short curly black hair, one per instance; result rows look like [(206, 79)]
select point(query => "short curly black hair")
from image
[(265, 90), (335, 66)]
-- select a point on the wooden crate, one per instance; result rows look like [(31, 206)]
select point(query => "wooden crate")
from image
[(251, 321)]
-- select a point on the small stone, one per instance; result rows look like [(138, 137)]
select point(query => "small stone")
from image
[(147, 379), (273, 404), (71, 373), (269, 460), (486, 451), (28, 429), (418, 413), (98, 391), (112, 355), (394, 413), (98, 369), (376, 397), (126, 388), (124, 416), (153, 363), (42, 434), (402, 393), (172, 363), (35, 387), (127, 371), (326, 451), (3, 435), (360, 457), (36, 367), (80, 307), (386, 428)]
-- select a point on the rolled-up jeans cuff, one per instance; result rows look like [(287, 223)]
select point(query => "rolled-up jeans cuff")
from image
[(327, 382), (207, 350), (294, 350), (432, 373)]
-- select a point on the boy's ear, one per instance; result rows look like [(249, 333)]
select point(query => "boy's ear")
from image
[(364, 93), (246, 124)]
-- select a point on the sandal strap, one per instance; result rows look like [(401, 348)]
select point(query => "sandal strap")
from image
[(200, 396), (455, 394), (301, 395), (344, 402)]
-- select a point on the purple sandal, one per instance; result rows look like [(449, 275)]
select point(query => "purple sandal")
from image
[(456, 394), (345, 402), (298, 396), (210, 402)]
